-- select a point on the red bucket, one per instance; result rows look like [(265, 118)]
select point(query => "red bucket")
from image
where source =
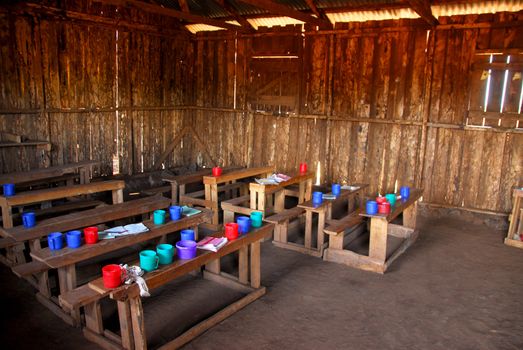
[(91, 235), (231, 231), (112, 275)]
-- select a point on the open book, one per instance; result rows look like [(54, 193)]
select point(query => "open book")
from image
[(212, 243)]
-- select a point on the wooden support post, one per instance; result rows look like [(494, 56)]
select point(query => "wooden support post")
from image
[(214, 199), (284, 230), (117, 196), (214, 266), (67, 282), (378, 239), (243, 265), (174, 193), (308, 229), (126, 330), (228, 216), (409, 216), (321, 226), (255, 265), (253, 200), (279, 201), (261, 202), (93, 317), (140, 340)]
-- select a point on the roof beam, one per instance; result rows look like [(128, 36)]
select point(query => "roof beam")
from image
[(173, 13), (282, 10), (232, 11), (184, 5), (315, 9), (422, 8)]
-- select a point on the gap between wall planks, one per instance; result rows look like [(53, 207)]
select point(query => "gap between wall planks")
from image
[(409, 126)]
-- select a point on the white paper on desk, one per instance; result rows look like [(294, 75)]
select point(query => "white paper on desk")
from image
[(133, 229)]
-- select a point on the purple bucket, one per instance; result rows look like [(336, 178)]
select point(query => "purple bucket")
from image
[(186, 249)]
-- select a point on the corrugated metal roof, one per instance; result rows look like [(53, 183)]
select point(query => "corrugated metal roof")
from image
[(210, 8), (363, 16), (477, 7)]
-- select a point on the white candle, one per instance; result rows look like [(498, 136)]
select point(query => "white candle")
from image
[(396, 186)]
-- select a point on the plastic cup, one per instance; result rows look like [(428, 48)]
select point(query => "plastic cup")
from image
[(159, 217), (9, 190), (231, 231), (336, 189), (175, 212), (244, 224), (91, 235), (55, 241), (317, 197), (371, 207), (187, 235), (405, 192), (216, 171), (391, 197), (74, 239), (149, 260), (112, 276), (165, 253), (303, 168), (256, 218), (29, 219)]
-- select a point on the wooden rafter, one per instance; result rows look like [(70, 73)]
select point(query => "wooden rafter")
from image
[(282, 10), (422, 8), (184, 6), (369, 7), (232, 11), (318, 12), (173, 13)]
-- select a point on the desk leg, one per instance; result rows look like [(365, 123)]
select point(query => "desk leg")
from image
[(243, 265), (308, 190), (140, 341), (378, 239), (126, 329), (117, 196), (301, 193), (255, 265), (93, 317), (253, 200), (321, 226), (174, 193), (84, 176), (7, 218), (261, 201), (67, 282), (409, 216), (214, 266), (214, 199), (308, 229), (279, 201)]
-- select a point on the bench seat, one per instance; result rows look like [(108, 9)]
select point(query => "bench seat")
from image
[(281, 221), (30, 268)]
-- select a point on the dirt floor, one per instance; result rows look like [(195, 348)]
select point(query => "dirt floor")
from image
[(457, 287)]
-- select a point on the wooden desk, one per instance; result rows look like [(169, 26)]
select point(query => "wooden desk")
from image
[(83, 168), (31, 197), (324, 212), (380, 230), (516, 220), (65, 259), (260, 192), (178, 182), (130, 309), (211, 185)]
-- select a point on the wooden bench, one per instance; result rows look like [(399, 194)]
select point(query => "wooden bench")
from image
[(336, 229), (129, 303), (156, 190), (31, 197), (281, 223), (65, 259), (83, 168), (381, 229), (83, 219), (516, 221), (238, 205)]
